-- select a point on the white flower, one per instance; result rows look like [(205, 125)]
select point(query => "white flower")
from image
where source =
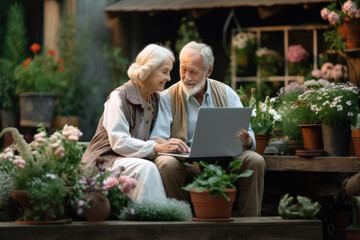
[(253, 113), (339, 107), (50, 175)]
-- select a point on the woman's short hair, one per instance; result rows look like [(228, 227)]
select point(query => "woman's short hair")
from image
[(205, 51), (147, 60)]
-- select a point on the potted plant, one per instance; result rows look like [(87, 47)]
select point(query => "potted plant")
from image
[(14, 52), (289, 127), (337, 107), (213, 191), (297, 57), (70, 100), (244, 45), (95, 187), (344, 17), (355, 135), (45, 168), (308, 120), (269, 61), (38, 79), (263, 118)]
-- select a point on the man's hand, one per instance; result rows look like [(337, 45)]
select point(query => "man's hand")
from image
[(245, 138), (173, 145)]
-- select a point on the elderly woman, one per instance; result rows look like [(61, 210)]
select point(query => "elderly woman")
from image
[(129, 113)]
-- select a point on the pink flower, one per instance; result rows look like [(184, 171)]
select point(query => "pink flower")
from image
[(60, 152), (316, 73), (110, 183), (349, 8), (334, 18), (19, 162), (325, 13), (128, 183), (339, 71), (296, 53), (71, 133), (326, 70)]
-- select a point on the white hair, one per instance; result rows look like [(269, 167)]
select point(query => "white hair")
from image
[(147, 60), (205, 51)]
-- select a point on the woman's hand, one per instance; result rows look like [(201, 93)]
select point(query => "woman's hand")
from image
[(245, 138), (173, 145)]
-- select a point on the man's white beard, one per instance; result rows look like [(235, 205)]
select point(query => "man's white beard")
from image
[(194, 90)]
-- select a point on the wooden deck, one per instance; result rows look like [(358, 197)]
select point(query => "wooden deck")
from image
[(312, 164), (269, 228)]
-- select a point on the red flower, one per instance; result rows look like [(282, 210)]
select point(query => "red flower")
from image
[(60, 68), (60, 60), (35, 48), (27, 61), (52, 53)]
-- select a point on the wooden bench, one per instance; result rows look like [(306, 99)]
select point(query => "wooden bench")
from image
[(241, 228)]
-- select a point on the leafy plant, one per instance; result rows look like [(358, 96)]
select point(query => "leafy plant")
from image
[(71, 95), (44, 167), (14, 52), (214, 178), (152, 210), (42, 73), (117, 64), (187, 32), (304, 208)]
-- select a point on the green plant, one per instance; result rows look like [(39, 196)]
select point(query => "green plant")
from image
[(151, 210), (7, 172), (45, 167), (285, 100), (336, 13), (71, 95), (42, 73), (269, 61), (244, 44), (264, 115), (214, 178), (14, 52), (117, 64), (304, 208), (336, 104), (114, 186), (187, 32)]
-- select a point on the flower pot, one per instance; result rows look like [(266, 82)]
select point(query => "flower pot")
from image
[(352, 34), (336, 140), (36, 108), (355, 134), (212, 208), (312, 136), (261, 142), (60, 121), (21, 197), (99, 207)]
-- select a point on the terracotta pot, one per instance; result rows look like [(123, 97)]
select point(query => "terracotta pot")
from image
[(355, 134), (352, 34), (212, 208), (261, 142), (336, 140), (312, 136), (99, 207), (60, 121), (46, 217)]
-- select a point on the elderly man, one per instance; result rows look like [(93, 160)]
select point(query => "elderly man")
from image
[(178, 108)]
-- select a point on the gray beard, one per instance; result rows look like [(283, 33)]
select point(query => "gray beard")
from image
[(196, 89)]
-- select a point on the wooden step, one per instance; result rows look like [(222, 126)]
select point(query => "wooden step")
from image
[(272, 227)]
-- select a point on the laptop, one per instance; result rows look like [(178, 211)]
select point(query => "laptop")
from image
[(215, 133)]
